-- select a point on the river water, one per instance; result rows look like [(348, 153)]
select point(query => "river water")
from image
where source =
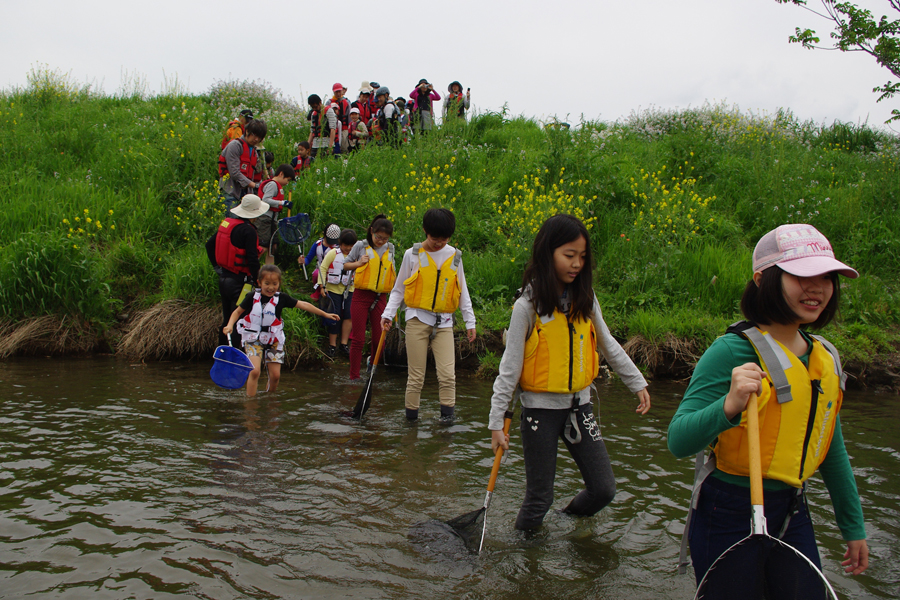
[(122, 480)]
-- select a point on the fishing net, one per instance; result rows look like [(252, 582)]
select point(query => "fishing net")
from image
[(438, 539), (296, 229), (468, 528), (231, 368), (762, 567)]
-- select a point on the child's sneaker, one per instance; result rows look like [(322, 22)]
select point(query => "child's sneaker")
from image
[(331, 351), (345, 348)]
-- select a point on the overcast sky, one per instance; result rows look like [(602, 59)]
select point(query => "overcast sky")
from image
[(601, 59)]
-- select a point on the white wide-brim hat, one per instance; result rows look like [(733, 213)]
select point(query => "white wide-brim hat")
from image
[(251, 207)]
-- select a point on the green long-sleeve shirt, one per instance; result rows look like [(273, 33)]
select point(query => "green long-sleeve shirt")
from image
[(700, 418)]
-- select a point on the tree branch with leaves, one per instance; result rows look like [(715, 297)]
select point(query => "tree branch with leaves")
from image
[(857, 30)]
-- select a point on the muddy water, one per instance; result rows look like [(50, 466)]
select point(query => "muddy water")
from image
[(146, 481)]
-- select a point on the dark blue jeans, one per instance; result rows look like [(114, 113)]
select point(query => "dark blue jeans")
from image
[(722, 518)]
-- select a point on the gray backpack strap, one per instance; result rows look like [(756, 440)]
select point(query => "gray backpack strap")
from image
[(702, 469), (457, 258), (838, 369), (774, 357)]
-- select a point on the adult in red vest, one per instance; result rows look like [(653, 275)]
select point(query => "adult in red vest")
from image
[(234, 253), (237, 163)]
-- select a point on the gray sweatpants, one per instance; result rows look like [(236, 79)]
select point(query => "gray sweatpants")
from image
[(541, 430)]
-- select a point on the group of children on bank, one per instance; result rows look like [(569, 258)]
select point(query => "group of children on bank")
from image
[(551, 360), (342, 125)]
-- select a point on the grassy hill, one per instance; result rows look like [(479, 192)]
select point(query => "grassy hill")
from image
[(109, 200)]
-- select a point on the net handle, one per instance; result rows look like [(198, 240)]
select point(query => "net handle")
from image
[(507, 420), (756, 488)]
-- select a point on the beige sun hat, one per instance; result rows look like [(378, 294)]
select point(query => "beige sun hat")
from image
[(365, 88), (251, 207)]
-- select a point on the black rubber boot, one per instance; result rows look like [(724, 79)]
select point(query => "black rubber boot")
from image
[(412, 414), (446, 414)]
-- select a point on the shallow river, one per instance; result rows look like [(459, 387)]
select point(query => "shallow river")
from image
[(123, 480)]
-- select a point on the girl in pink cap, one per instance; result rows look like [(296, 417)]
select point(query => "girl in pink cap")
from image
[(800, 383)]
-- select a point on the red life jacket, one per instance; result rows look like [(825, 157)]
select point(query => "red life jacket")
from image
[(279, 195), (341, 110), (249, 156), (229, 256), (365, 110), (302, 163)]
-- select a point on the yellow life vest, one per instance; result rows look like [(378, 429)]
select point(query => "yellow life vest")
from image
[(560, 355), (432, 288), (377, 275), (797, 412)]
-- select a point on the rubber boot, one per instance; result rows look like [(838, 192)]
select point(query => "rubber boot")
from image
[(446, 414), (412, 414)]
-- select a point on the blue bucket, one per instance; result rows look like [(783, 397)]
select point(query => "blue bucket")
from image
[(231, 368)]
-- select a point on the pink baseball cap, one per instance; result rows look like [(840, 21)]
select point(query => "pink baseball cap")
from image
[(799, 250), (336, 87)]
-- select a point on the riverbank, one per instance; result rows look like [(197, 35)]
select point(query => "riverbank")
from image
[(102, 247), (146, 336)]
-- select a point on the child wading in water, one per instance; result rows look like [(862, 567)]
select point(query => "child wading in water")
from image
[(262, 330), (373, 260), (432, 284), (554, 375), (800, 388)]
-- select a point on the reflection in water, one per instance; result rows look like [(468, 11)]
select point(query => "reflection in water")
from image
[(121, 481)]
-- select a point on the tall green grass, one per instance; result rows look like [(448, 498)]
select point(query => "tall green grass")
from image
[(675, 199)]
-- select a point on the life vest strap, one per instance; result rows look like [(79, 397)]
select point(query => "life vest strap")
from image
[(423, 256), (836, 357), (772, 354), (703, 467)]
